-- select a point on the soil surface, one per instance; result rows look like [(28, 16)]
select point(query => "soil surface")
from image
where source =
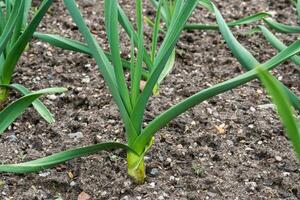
[(229, 147)]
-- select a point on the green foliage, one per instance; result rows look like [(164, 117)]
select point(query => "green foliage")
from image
[(131, 101), (282, 28), (281, 95), (284, 107), (16, 31)]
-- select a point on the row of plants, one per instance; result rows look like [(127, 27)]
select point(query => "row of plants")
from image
[(148, 62)]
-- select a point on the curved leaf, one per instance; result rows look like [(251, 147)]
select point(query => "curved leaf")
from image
[(246, 20), (104, 66), (76, 46), (10, 113), (10, 25), (55, 159), (163, 119), (247, 60), (282, 27), (18, 48), (37, 104), (284, 108), (276, 43)]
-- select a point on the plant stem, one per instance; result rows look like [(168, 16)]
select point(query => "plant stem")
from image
[(3, 95), (136, 167)]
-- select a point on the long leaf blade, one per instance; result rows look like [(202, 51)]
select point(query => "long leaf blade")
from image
[(162, 58), (37, 104), (276, 43), (247, 60), (55, 159), (104, 66), (111, 22), (10, 113), (18, 48), (282, 27), (164, 118), (246, 20), (284, 108)]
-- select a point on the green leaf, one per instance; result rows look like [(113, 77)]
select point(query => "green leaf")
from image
[(10, 25), (276, 43), (163, 119), (55, 159), (156, 27), (104, 66), (282, 27), (246, 59), (111, 22), (137, 69), (246, 20), (284, 108), (37, 104), (76, 46), (124, 21), (19, 25), (163, 13), (64, 43), (206, 4), (10, 113), (163, 55), (26, 12), (18, 48)]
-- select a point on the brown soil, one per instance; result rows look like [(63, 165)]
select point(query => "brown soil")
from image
[(191, 158)]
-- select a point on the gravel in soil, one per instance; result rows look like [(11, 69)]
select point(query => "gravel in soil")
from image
[(229, 147)]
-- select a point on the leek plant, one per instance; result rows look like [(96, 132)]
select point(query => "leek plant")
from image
[(285, 100), (282, 28), (131, 101), (15, 33), (164, 10)]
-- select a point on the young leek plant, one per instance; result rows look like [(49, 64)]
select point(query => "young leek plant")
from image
[(15, 34), (282, 97), (282, 28), (130, 100), (165, 10)]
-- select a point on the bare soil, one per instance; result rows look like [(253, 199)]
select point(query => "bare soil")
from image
[(230, 147)]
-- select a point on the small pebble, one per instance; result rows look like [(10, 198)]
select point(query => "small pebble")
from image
[(286, 173), (45, 174), (86, 80), (278, 158), (73, 183), (76, 135), (154, 171), (104, 193), (12, 138), (87, 65), (161, 198), (229, 143), (52, 97), (211, 194), (152, 185)]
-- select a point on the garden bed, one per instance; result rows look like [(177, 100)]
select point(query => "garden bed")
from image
[(230, 147)]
